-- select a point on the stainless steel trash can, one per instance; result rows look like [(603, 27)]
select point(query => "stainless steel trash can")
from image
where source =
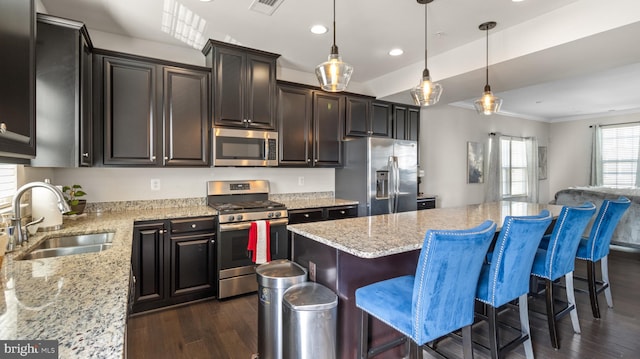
[(309, 314), (274, 278)]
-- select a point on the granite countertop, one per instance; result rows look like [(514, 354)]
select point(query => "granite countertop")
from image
[(387, 234), (80, 300)]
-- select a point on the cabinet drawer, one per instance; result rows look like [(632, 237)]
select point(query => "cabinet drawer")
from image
[(305, 216), (342, 212), (193, 225), (426, 204)]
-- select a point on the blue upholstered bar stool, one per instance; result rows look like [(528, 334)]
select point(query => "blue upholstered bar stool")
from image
[(596, 248), (438, 300), (555, 258), (506, 277)]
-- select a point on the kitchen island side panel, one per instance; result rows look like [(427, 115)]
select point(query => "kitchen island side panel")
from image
[(344, 273)]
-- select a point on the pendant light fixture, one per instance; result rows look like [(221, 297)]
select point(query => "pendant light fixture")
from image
[(334, 74), (426, 93), (488, 104)]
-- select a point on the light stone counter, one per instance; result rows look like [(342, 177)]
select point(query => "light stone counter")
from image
[(387, 234), (80, 300)]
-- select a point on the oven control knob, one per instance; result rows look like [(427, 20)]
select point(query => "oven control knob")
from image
[(239, 217), (231, 218), (270, 215), (278, 214)]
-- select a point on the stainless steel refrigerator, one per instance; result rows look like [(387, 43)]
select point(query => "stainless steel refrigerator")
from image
[(380, 173)]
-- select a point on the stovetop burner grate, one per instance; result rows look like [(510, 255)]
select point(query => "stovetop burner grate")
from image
[(246, 206)]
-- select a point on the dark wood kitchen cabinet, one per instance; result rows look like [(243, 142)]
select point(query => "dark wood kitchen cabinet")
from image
[(17, 85), (310, 126), (147, 264), (244, 85), (173, 262), (63, 93), (153, 113), (306, 215), (366, 117), (406, 122)]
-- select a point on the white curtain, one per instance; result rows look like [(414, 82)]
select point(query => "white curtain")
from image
[(493, 187), (638, 169), (596, 157), (532, 169)]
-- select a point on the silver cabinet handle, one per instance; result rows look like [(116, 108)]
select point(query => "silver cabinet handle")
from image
[(153, 158), (3, 127), (166, 158), (306, 215), (85, 155), (193, 225)]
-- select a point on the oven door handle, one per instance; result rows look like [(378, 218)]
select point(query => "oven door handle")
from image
[(227, 227)]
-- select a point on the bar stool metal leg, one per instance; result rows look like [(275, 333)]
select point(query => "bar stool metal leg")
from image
[(571, 299), (604, 266)]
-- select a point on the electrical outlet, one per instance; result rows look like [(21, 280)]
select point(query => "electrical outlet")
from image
[(155, 184), (300, 181)]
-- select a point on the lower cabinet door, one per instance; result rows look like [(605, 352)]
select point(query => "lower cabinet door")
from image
[(192, 266), (148, 265)]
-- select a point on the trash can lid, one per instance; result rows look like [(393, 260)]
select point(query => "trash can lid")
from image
[(310, 296), (280, 273)]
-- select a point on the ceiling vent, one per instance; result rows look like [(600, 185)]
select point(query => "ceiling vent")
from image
[(267, 7)]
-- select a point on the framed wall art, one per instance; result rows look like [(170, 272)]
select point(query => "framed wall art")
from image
[(542, 162), (475, 162)]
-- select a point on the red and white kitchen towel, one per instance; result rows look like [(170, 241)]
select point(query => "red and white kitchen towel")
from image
[(259, 242)]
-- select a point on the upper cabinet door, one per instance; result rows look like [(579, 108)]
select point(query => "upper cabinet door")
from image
[(328, 117), (261, 92), (358, 121), (229, 92), (381, 114), (129, 109), (245, 85), (413, 123), (17, 87), (400, 113), (63, 93), (186, 117), (295, 125)]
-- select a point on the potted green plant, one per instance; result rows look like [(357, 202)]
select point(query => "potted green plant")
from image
[(72, 194)]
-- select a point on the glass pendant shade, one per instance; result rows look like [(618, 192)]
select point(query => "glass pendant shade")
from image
[(488, 104), (426, 93), (334, 74)]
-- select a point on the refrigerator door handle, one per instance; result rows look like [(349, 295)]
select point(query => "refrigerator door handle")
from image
[(396, 183), (391, 187)]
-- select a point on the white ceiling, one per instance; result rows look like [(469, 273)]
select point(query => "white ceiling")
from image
[(550, 59)]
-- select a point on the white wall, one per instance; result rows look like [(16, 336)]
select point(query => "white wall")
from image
[(570, 150), (127, 184), (444, 133)]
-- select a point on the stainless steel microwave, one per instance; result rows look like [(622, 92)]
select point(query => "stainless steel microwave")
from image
[(248, 148)]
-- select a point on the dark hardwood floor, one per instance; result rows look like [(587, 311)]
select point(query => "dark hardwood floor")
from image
[(228, 329)]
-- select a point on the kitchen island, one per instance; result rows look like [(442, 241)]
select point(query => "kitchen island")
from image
[(347, 254), (80, 300)]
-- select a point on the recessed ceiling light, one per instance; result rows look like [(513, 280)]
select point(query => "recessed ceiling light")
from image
[(396, 52), (318, 29), (517, 0), (205, 0)]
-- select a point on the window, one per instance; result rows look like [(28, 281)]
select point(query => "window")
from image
[(513, 167), (619, 150), (8, 184)]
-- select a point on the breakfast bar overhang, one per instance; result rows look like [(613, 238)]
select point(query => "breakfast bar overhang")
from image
[(346, 254)]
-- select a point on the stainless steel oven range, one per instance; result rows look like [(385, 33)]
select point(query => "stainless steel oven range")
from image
[(238, 204)]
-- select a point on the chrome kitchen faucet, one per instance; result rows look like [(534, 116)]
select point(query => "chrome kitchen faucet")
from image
[(19, 235)]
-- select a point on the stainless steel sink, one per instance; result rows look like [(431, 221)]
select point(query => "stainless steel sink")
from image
[(68, 245)]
